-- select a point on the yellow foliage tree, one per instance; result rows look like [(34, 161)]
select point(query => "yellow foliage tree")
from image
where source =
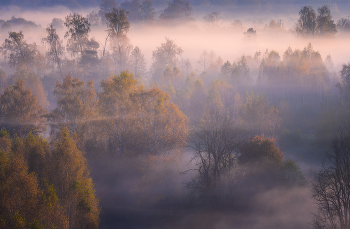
[(135, 120)]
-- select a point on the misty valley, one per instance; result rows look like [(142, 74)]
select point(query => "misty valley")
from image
[(174, 114)]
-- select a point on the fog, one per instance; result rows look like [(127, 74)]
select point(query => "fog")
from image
[(158, 197), (197, 36), (230, 45), (149, 156)]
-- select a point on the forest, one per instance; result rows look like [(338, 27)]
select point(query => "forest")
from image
[(179, 114)]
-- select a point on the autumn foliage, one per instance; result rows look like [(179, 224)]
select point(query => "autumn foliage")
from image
[(45, 186)]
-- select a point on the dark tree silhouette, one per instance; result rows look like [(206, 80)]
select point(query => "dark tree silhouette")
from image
[(177, 9), (331, 189), (310, 24), (343, 24), (106, 6), (147, 11), (117, 22), (133, 9), (216, 146), (344, 86), (307, 23), (325, 24), (78, 32)]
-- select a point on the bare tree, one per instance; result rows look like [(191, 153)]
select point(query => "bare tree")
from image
[(331, 190), (216, 146)]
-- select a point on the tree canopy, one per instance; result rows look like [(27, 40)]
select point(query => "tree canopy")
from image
[(43, 186), (20, 111), (177, 9), (310, 24), (78, 32), (117, 21), (18, 52), (165, 55)]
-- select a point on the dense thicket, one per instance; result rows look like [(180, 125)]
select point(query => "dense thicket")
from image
[(45, 186)]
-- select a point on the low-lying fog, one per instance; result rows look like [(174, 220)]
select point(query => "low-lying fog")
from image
[(198, 36), (149, 191)]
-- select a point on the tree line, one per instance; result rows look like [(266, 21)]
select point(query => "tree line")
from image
[(232, 125), (80, 3)]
